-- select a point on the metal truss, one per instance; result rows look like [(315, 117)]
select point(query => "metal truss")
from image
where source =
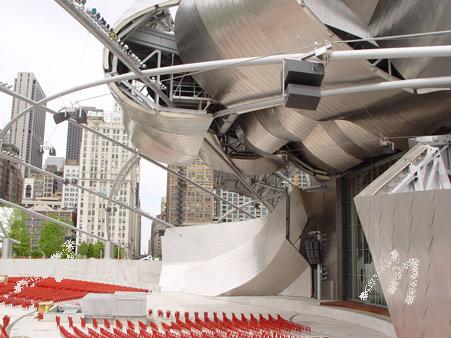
[(80, 15), (422, 168)]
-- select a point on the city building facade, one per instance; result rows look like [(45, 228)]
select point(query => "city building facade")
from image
[(70, 192), (186, 204), (45, 190), (34, 224), (27, 134), (11, 180), (100, 164), (157, 231), (73, 144)]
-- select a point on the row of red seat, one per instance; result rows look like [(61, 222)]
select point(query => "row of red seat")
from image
[(3, 326), (28, 291), (227, 326)]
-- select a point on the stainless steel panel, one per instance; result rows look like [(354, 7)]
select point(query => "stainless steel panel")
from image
[(414, 16), (173, 138), (416, 225), (249, 28), (345, 128), (258, 260)]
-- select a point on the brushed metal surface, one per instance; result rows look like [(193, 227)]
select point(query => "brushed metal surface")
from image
[(231, 29), (344, 130), (415, 224), (242, 258), (172, 138), (414, 16)]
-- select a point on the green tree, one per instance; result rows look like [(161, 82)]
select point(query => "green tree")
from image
[(52, 237), (98, 250), (119, 252), (18, 231), (36, 253), (83, 249)]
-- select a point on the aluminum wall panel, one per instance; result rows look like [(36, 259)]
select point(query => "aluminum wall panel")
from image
[(259, 261), (250, 28), (165, 136), (417, 225)]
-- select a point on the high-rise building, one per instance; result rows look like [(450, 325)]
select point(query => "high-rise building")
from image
[(40, 189), (186, 204), (100, 163), (10, 176), (226, 213), (157, 231), (73, 144), (27, 134), (54, 165), (70, 192)]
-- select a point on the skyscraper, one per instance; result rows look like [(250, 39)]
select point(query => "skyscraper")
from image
[(70, 192), (100, 163), (157, 231), (40, 189), (27, 134), (73, 144), (186, 204), (10, 176)]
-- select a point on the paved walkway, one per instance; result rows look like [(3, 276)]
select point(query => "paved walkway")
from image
[(321, 326)]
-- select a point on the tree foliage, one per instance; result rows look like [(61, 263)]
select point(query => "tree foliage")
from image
[(83, 249), (97, 250), (18, 231), (52, 237)]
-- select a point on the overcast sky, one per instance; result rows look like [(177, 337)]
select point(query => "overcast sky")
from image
[(39, 36)]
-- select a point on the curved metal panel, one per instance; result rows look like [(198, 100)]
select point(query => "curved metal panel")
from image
[(250, 166), (246, 32), (224, 259), (172, 138), (344, 129), (414, 16)]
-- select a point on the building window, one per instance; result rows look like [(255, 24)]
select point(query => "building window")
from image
[(28, 191)]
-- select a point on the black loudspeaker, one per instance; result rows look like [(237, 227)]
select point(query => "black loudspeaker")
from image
[(61, 117), (302, 97), (302, 81), (303, 73), (313, 250), (81, 116)]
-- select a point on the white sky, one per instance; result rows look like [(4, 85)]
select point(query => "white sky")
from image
[(39, 36)]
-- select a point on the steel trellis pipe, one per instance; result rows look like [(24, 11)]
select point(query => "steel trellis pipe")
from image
[(37, 214), (122, 174), (402, 52), (33, 103), (99, 194)]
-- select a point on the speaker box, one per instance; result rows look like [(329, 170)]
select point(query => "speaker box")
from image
[(303, 73), (302, 97)]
